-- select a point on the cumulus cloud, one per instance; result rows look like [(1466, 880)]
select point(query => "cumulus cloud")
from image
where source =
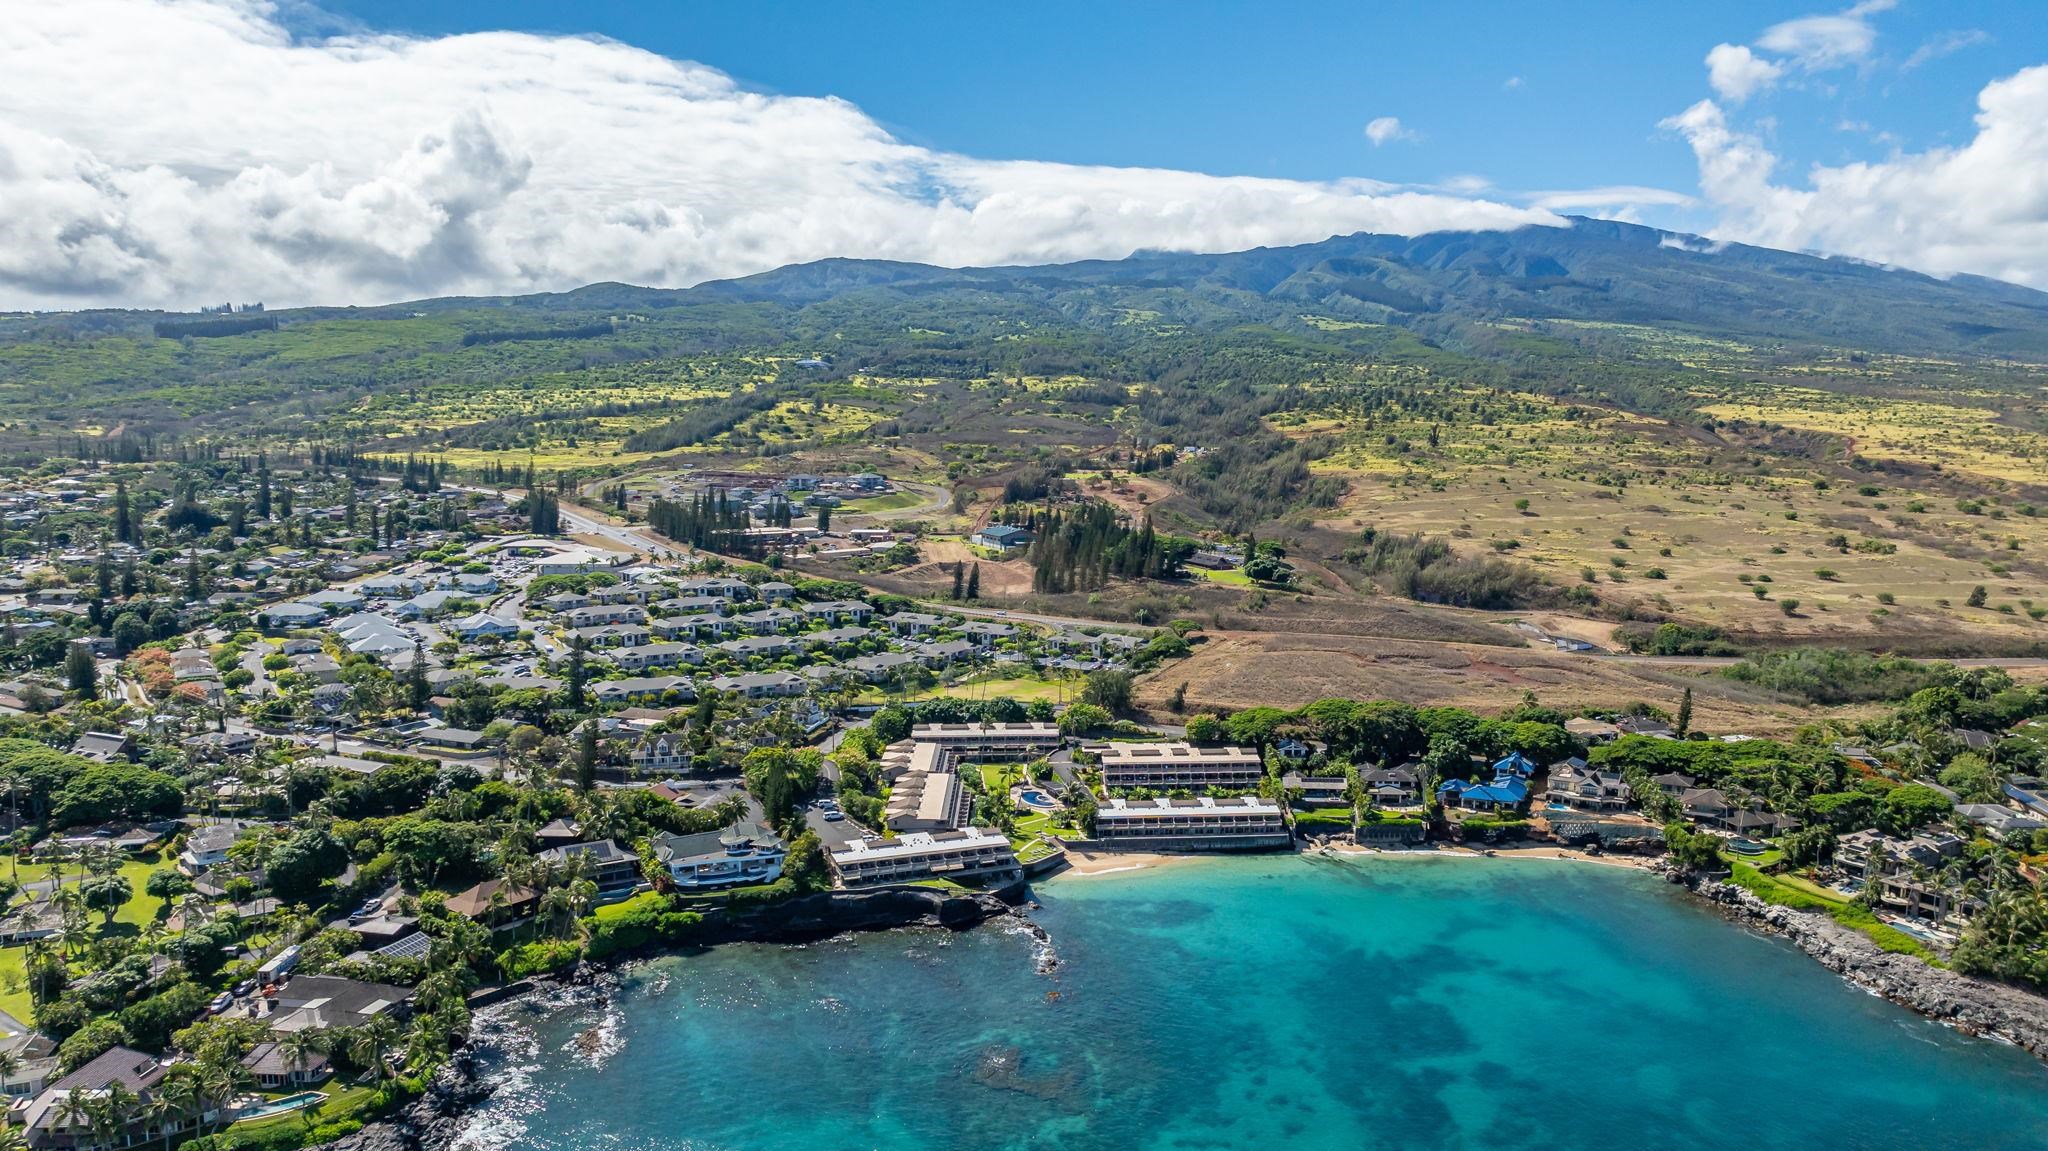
[(1385, 130), (187, 152), (1738, 73), (1981, 207)]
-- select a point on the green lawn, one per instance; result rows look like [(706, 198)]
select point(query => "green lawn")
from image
[(894, 501), (1233, 577), (14, 998)]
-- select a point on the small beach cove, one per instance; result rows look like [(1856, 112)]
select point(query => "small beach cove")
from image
[(1422, 999)]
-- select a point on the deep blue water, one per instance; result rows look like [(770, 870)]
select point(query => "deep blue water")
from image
[(1252, 1003)]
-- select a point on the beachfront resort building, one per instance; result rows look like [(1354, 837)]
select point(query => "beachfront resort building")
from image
[(976, 741), (1180, 765), (1243, 823), (973, 854)]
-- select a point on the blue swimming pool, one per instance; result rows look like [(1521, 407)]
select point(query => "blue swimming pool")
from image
[(280, 1106)]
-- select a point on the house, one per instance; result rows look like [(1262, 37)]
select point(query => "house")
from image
[(761, 685), (2029, 793), (389, 587), (1317, 790), (657, 655), (773, 590), (325, 1002), (690, 626), (1584, 788), (207, 847), (1503, 793), (317, 666), (613, 635), (944, 652), (614, 870), (1001, 537), (1393, 786), (836, 610), (1673, 784), (28, 1061), (1705, 804), (743, 854), (647, 688), (220, 744), (336, 600), (273, 1070), (1998, 820), (913, 622), (103, 746), (478, 626), (453, 738), (984, 634), (768, 619), (51, 1120), (761, 647), (499, 903), (597, 615), (663, 752), (880, 667), (1298, 750), (1516, 764), (284, 616), (428, 604)]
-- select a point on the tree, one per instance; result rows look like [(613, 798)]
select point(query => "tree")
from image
[(1912, 806), (1684, 722), (1205, 728), (974, 582), (1977, 596), (417, 689), (1109, 690), (81, 675), (586, 756), (129, 632), (107, 894), (1692, 850), (577, 674), (367, 1044), (299, 865), (959, 581)]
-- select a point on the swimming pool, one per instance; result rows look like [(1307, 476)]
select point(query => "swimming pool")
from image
[(280, 1106)]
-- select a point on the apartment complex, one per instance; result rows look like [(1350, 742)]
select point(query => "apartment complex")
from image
[(974, 853), (1180, 765), (1243, 823), (990, 740)]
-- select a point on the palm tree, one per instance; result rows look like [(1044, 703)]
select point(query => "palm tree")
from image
[(297, 1049), (370, 1041), (178, 1094)]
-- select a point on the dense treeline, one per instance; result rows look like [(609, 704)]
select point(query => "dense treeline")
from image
[(204, 329), (714, 418), (1425, 568), (1082, 548), (709, 520), (579, 332)]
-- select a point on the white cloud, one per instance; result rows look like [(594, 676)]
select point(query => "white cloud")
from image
[(1385, 130), (1818, 42), (1738, 73), (1946, 44), (1981, 207), (182, 153), (1613, 196), (1512, 83)]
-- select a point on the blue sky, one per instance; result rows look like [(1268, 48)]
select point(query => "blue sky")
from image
[(1526, 96), (349, 151)]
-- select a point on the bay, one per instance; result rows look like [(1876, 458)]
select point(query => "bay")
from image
[(1245, 1003)]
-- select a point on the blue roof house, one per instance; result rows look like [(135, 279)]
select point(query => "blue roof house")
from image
[(1505, 793), (1514, 763)]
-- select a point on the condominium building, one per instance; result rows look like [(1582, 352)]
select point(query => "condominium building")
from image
[(926, 801), (974, 853), (1180, 765), (1241, 823), (991, 740)]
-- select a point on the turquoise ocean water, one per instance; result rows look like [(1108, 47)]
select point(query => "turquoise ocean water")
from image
[(1268, 1002)]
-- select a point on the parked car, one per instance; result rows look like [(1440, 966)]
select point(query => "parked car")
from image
[(834, 816)]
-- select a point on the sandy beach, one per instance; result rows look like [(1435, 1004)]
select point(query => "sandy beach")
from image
[(1111, 862)]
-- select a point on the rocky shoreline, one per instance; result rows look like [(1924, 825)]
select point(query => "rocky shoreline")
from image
[(434, 1121), (1971, 1005)]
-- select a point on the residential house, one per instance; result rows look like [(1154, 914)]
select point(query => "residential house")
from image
[(743, 854), (104, 746), (325, 1002), (274, 1069), (661, 753), (1504, 793), (657, 655), (1584, 788), (614, 870), (644, 688), (478, 626), (1001, 537), (498, 903)]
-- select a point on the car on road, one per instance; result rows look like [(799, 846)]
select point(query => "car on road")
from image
[(368, 910), (834, 816), (220, 1003)]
